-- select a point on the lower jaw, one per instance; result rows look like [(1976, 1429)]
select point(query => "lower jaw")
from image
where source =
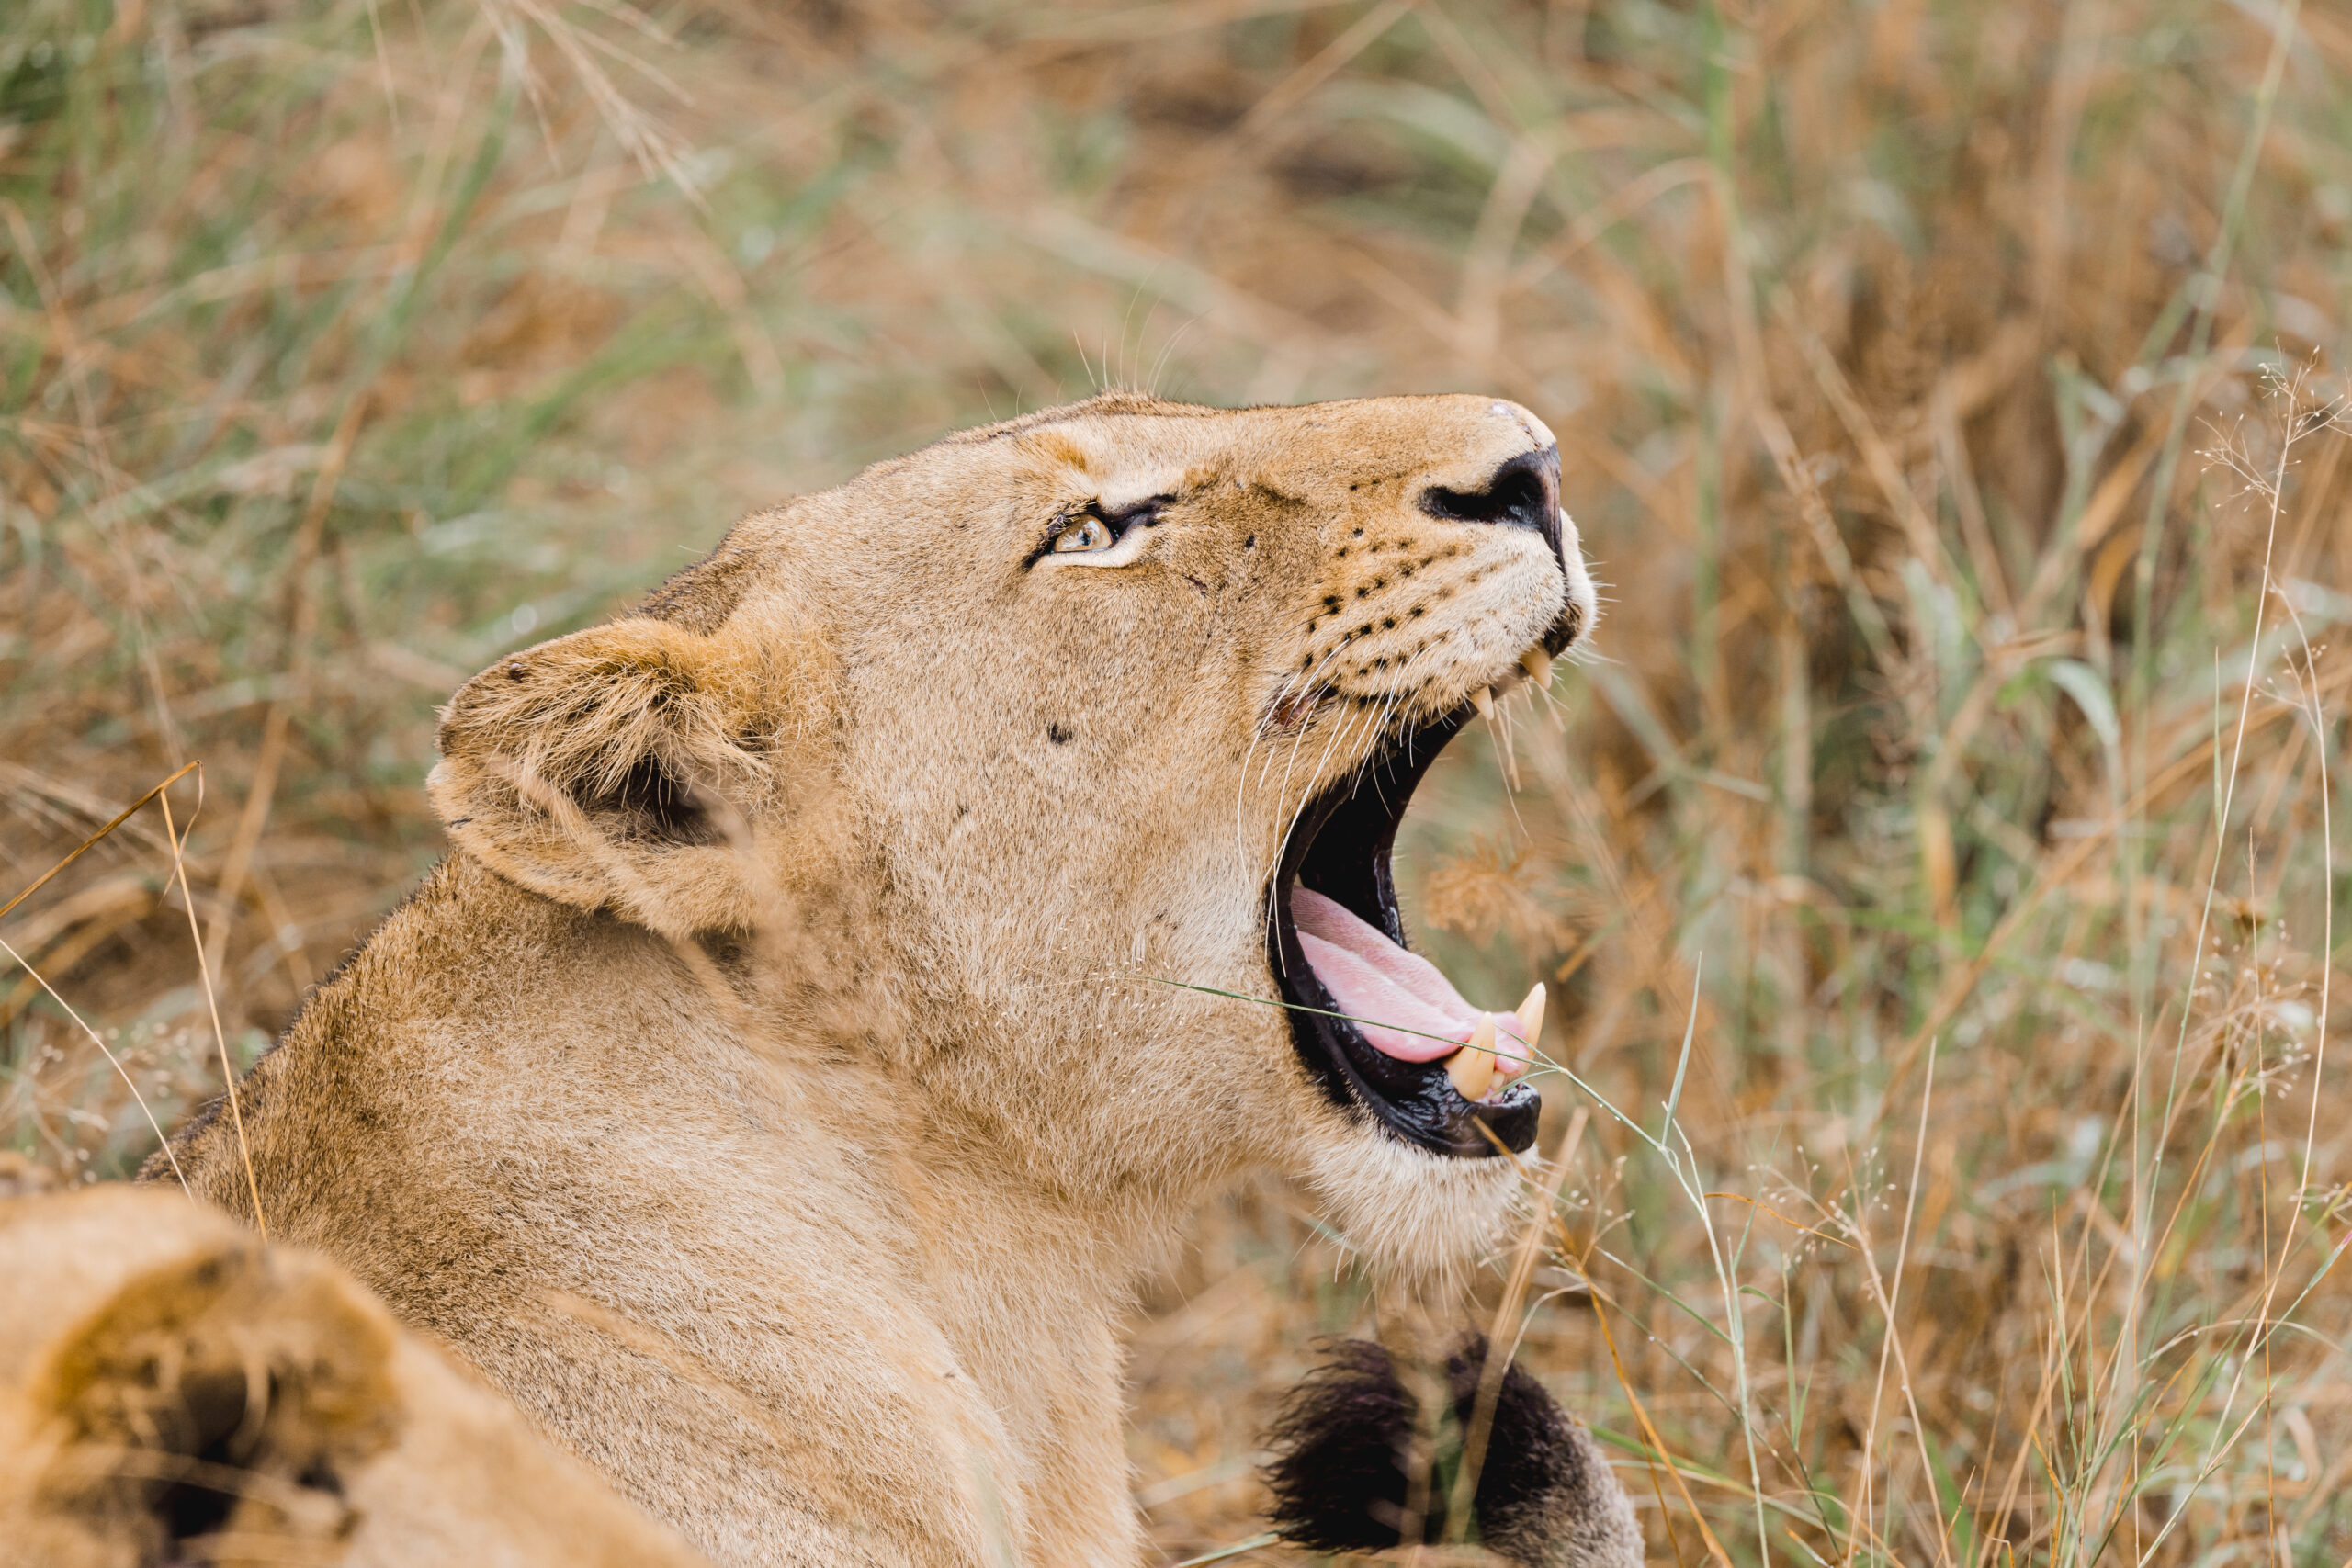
[(1412, 1101)]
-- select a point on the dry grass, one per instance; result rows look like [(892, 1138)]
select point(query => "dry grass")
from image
[(1941, 392)]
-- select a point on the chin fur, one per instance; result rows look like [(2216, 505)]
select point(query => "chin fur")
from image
[(1414, 1216)]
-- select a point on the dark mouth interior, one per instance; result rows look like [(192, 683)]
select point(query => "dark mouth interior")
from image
[(1340, 848)]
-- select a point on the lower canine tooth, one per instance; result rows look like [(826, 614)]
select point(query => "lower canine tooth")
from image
[(1471, 1070)]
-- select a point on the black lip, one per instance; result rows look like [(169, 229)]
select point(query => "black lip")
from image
[(1341, 847)]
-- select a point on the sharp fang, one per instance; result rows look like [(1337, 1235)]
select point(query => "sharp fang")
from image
[(1484, 701), (1538, 665), (1531, 1016), (1471, 1070)]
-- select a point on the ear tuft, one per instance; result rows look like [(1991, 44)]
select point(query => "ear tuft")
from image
[(1355, 1461), (232, 1391), (610, 768), (1545, 1496)]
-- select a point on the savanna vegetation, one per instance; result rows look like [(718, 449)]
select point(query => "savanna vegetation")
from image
[(1941, 864)]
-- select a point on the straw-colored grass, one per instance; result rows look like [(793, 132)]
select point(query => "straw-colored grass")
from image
[(1942, 876)]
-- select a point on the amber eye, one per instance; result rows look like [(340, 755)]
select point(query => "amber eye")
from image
[(1085, 533)]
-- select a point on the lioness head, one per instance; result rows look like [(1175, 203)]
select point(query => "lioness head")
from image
[(1066, 709)]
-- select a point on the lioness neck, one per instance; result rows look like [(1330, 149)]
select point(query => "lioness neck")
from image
[(696, 1248)]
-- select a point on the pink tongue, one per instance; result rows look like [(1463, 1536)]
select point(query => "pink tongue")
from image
[(1399, 998)]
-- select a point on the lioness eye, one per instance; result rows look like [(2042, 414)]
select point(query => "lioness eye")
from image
[(1086, 534)]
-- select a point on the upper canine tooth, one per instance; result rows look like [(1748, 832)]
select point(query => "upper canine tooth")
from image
[(1483, 699), (1471, 1070), (1530, 1016), (1538, 665)]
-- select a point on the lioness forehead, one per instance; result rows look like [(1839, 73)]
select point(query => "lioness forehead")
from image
[(1107, 439), (1105, 404), (1126, 404)]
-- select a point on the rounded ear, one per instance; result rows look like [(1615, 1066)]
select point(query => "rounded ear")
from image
[(619, 767)]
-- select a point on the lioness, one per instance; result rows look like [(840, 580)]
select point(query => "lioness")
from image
[(779, 1091)]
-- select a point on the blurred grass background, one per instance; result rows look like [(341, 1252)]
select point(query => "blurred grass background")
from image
[(1944, 393)]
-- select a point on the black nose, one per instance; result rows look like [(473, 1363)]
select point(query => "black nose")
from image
[(1522, 493)]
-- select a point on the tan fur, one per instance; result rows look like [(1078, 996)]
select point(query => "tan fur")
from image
[(772, 1095), (146, 1341)]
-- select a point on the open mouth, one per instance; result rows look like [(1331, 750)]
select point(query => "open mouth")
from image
[(1377, 1024)]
